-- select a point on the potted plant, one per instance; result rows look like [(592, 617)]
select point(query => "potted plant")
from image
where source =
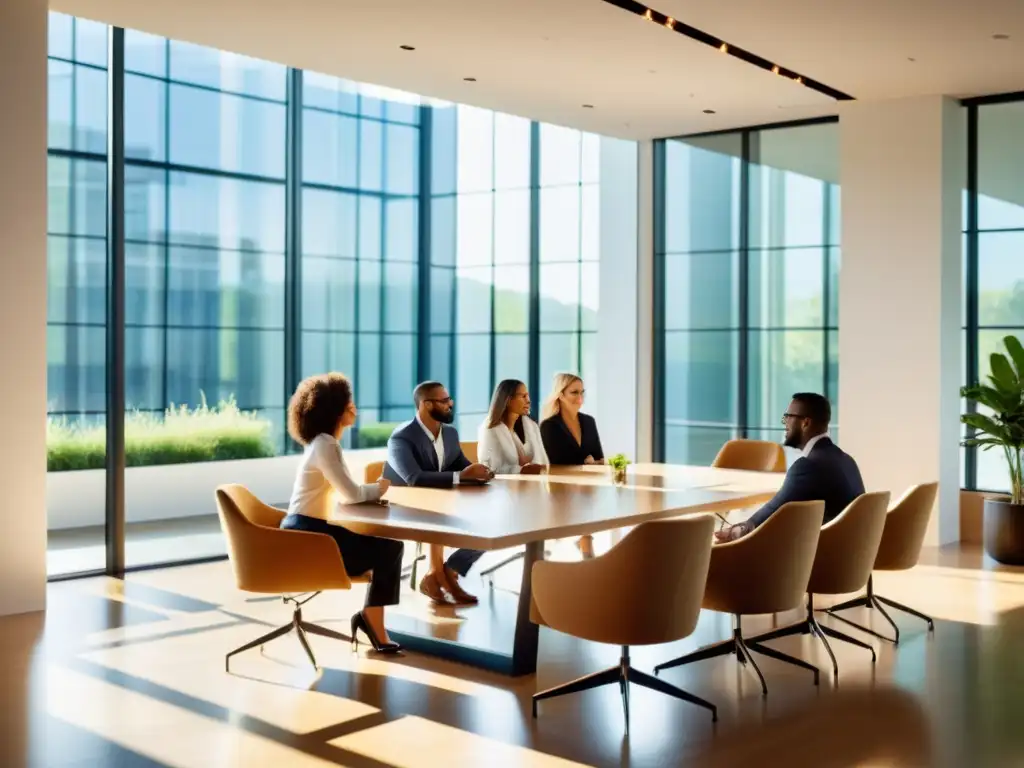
[(618, 464), (1003, 428)]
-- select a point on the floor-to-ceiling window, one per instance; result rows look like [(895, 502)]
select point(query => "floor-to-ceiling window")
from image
[(280, 223), (747, 257), (77, 286), (994, 261)]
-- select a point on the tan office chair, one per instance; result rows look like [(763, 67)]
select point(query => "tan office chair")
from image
[(765, 571), (269, 560), (846, 551), (371, 474), (645, 590), (902, 539), (469, 449), (751, 455)]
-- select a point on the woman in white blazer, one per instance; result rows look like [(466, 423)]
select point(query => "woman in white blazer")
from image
[(509, 440)]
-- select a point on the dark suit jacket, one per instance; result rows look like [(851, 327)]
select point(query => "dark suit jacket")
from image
[(412, 459), (826, 474), (562, 448)]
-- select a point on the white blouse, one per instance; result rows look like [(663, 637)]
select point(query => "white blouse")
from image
[(323, 479), (499, 447)]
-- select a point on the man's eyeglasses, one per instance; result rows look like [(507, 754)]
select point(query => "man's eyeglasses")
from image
[(442, 400), (787, 416)]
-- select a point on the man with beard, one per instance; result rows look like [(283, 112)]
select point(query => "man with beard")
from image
[(823, 473), (426, 452)]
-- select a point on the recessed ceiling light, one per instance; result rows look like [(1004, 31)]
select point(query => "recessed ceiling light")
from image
[(1000, 37), (911, 59), (709, 111), (407, 47), (588, 106), (469, 79)]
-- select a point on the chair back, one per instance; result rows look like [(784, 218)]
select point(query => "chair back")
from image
[(767, 570), (645, 590), (373, 471), (265, 558), (905, 528), (848, 545), (752, 455), (469, 449)]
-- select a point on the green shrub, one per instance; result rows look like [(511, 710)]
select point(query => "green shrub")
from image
[(375, 435), (180, 435)]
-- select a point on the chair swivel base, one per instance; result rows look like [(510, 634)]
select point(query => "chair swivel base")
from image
[(741, 648), (623, 674), (871, 600), (300, 626), (810, 626)]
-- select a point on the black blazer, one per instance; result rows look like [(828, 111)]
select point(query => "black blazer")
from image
[(562, 448), (412, 459), (826, 474)]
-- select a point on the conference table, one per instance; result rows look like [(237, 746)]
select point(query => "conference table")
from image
[(527, 511)]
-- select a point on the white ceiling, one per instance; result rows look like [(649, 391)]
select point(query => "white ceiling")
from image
[(544, 59)]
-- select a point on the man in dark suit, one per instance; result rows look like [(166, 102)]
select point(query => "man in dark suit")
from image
[(426, 452), (823, 473)]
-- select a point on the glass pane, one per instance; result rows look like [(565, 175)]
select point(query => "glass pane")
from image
[(560, 155), (60, 34), (329, 223), (475, 149), (226, 132), (144, 285), (786, 288), (475, 229), (225, 288), (441, 358), (473, 289), (702, 195), (402, 159), (399, 369), (371, 155), (473, 375), (512, 357), (559, 297), (559, 352), (368, 380), (401, 298), (1000, 152), (402, 217), (1001, 278), (835, 265), (701, 290), (442, 300), (560, 224), (226, 213), (591, 172), (90, 132), (329, 92), (144, 118), (328, 294), (443, 150), (76, 270), (227, 71), (781, 364), (512, 227), (442, 231), (789, 173), (224, 363), (329, 144), (90, 42), (511, 299), (696, 446), (590, 225), (512, 152), (143, 369), (145, 210), (76, 382), (369, 295), (76, 197), (589, 296), (145, 53), (701, 368), (371, 216)]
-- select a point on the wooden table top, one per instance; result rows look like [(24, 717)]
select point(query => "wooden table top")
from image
[(566, 501)]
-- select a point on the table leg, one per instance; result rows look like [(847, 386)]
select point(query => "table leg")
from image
[(524, 647)]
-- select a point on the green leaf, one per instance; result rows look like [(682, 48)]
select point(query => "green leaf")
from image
[(1016, 350), (1003, 376), (986, 424), (988, 396)]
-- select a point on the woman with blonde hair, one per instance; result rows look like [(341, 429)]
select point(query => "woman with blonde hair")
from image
[(570, 437)]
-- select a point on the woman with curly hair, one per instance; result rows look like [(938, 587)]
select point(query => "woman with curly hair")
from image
[(319, 411)]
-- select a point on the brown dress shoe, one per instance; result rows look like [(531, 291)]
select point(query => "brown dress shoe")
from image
[(430, 586), (457, 592)]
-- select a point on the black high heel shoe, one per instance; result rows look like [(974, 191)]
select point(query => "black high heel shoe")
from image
[(359, 622)]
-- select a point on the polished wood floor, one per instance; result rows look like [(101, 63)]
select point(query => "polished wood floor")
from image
[(132, 674)]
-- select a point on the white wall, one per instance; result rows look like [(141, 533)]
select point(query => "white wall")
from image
[(903, 166), (23, 305)]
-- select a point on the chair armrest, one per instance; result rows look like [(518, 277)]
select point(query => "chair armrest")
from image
[(281, 561)]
